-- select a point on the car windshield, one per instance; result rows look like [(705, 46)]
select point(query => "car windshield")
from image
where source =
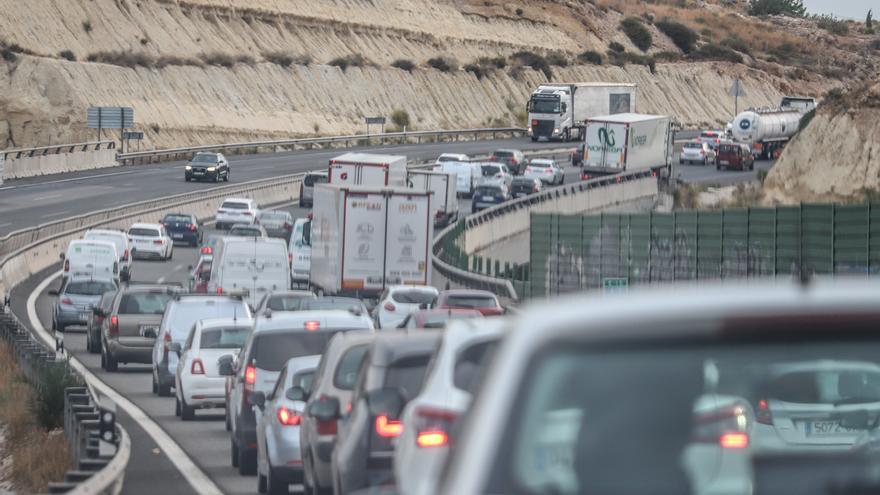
[(177, 219), (439, 320), (274, 216), (407, 375), (205, 158), (287, 302), (448, 159), (224, 338), (691, 416), (413, 297), (234, 205), (312, 179), (340, 303), (544, 105), (273, 350), (490, 170), (471, 301), (143, 232), (88, 287), (144, 303), (346, 373)]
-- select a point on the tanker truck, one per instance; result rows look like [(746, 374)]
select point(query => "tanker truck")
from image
[(766, 130)]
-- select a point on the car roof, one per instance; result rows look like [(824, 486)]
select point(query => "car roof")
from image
[(239, 200), (467, 292), (225, 322), (292, 293), (390, 346), (156, 226), (296, 320), (179, 214)]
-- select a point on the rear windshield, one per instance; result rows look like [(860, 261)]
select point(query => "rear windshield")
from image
[(470, 363), (273, 215), (144, 232), (347, 371), (89, 288), (234, 205), (693, 145), (503, 154), (489, 190), (143, 303), (286, 303), (273, 350), (491, 170), (728, 148), (246, 231), (311, 180), (448, 159), (224, 338), (344, 304), (407, 375), (471, 302), (185, 315), (178, 219), (303, 379), (537, 164), (836, 387), (413, 297)]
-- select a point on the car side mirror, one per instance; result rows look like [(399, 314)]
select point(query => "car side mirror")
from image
[(385, 401), (296, 393), (259, 399), (151, 333), (224, 365), (324, 409), (98, 312), (174, 347)]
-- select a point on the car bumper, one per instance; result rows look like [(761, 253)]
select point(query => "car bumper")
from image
[(299, 276), (192, 175), (203, 392), (130, 354), (284, 451), (72, 316), (148, 252), (187, 237), (417, 468), (322, 461), (692, 158)]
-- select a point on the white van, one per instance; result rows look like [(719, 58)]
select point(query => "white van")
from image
[(92, 260), (123, 249), (300, 249), (467, 175), (251, 265)]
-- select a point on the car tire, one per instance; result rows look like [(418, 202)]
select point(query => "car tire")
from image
[(262, 483), (234, 450), (163, 390), (275, 485), (177, 406), (155, 385), (226, 414), (110, 362), (534, 139), (187, 412), (103, 361), (226, 176), (247, 462)]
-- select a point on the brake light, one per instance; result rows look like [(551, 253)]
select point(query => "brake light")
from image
[(311, 326), (66, 301), (66, 265), (250, 374), (389, 306), (327, 427), (763, 415), (433, 426), (197, 368), (207, 250), (734, 440), (114, 325), (388, 428), (192, 228), (125, 256), (288, 417), (219, 290), (432, 439), (158, 242), (167, 341)]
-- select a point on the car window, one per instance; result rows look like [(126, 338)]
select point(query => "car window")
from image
[(182, 316), (278, 390), (345, 376), (178, 219), (312, 179), (143, 303), (693, 145), (503, 154), (471, 301), (407, 375), (274, 215), (439, 319), (490, 170), (272, 350), (304, 380), (470, 363), (286, 302), (413, 297), (144, 232), (224, 338), (88, 288), (107, 300), (234, 205), (205, 158)]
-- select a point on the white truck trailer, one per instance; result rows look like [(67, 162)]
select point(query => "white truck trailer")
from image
[(368, 169), (627, 142), (442, 186), (367, 238), (559, 110)]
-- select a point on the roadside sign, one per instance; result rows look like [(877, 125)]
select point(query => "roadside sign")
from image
[(737, 89), (375, 120), (136, 135), (110, 117), (615, 285)]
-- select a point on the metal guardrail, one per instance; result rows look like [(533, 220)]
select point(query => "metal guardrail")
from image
[(417, 136), (98, 445), (58, 149)]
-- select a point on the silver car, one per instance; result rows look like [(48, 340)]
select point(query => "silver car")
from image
[(76, 301), (697, 152), (545, 170), (279, 458), (307, 188)]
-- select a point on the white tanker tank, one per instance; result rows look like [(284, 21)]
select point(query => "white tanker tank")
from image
[(765, 130)]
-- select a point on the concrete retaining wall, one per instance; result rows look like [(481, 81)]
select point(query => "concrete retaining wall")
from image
[(56, 160)]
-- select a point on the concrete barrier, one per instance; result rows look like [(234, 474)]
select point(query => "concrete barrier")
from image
[(49, 160)]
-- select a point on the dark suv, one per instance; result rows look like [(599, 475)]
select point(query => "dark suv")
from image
[(734, 155), (207, 166), (183, 228)]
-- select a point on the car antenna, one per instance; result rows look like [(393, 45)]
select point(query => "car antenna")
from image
[(235, 313)]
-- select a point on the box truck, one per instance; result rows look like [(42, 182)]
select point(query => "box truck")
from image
[(558, 111), (626, 142), (367, 238), (442, 186), (368, 169), (253, 266)]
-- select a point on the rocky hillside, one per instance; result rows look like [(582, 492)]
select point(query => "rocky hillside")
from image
[(200, 71)]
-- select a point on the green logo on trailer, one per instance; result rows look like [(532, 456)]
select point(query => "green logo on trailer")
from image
[(606, 138)]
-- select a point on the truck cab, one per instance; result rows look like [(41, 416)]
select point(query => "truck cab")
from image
[(558, 111), (549, 115)]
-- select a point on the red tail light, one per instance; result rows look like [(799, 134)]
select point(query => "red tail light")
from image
[(250, 375), (534, 122), (207, 250), (288, 227), (390, 306), (66, 265), (311, 326), (248, 213), (763, 415), (388, 428), (125, 255), (66, 301), (326, 427), (167, 341), (219, 290), (734, 440), (288, 417), (114, 325), (158, 242), (432, 439), (192, 228), (197, 368), (433, 426)]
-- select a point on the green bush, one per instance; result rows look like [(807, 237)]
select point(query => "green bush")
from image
[(477, 69), (403, 64), (8, 55), (225, 60), (87, 26), (793, 8), (666, 56), (47, 404), (591, 57), (400, 118), (67, 55), (533, 60), (684, 37), (736, 43), (831, 24), (496, 62), (443, 64), (166, 60), (557, 59), (637, 33), (711, 51), (616, 47)]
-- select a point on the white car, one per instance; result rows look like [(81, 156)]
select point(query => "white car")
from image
[(547, 171), (452, 157), (123, 249), (236, 210), (467, 174), (300, 249), (399, 301), (697, 152), (495, 173), (150, 240), (197, 382), (445, 396)]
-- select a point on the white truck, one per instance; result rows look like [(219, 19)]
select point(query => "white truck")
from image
[(444, 199), (368, 169), (367, 238), (627, 142), (558, 110), (766, 130), (252, 266)]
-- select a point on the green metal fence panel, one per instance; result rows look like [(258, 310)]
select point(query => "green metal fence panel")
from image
[(735, 252), (710, 239)]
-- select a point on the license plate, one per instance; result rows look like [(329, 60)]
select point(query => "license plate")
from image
[(177, 236), (724, 162), (488, 198), (198, 173), (825, 428), (142, 330), (84, 317)]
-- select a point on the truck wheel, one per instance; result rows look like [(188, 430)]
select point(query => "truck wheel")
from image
[(534, 138), (566, 135)]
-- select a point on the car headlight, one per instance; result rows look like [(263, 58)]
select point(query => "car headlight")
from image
[(211, 169), (189, 167), (555, 131)]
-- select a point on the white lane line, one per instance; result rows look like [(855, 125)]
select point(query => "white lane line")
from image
[(178, 268), (7, 187), (74, 179), (56, 214), (48, 196), (7, 224), (160, 280), (200, 482)]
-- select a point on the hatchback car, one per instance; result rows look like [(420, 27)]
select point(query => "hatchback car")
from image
[(697, 152), (307, 188), (437, 318), (329, 399), (150, 241), (735, 155), (483, 301), (289, 300), (279, 457), (277, 223), (275, 340), (392, 374), (524, 186), (183, 228), (182, 312), (93, 330), (130, 327), (495, 173), (207, 166), (489, 195), (198, 383), (547, 171), (399, 301), (514, 159), (236, 210), (245, 230), (77, 299)]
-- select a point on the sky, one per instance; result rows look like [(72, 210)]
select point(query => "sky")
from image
[(853, 9)]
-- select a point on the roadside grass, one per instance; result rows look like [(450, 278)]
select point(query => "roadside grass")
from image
[(38, 455)]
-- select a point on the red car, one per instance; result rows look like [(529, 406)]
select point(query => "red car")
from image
[(483, 301)]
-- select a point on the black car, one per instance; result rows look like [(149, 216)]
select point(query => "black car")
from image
[(207, 166), (183, 228), (523, 186), (489, 195)]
